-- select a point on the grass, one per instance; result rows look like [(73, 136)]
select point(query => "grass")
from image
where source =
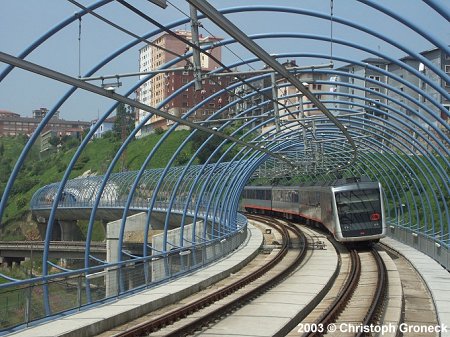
[(96, 158)]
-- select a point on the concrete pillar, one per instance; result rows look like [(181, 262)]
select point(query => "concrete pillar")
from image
[(11, 262), (112, 245), (42, 227), (134, 223), (70, 230)]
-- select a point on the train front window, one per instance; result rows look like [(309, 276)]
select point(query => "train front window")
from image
[(359, 212)]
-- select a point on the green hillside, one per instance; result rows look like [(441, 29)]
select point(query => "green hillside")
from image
[(96, 158)]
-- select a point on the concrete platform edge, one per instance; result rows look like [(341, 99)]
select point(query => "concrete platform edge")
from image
[(311, 305), (250, 247), (435, 275)]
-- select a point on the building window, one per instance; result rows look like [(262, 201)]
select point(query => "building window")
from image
[(375, 89), (376, 78), (447, 68)]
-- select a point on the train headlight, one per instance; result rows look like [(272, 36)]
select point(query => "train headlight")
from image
[(375, 217)]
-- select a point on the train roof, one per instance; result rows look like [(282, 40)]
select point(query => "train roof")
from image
[(333, 183), (258, 187)]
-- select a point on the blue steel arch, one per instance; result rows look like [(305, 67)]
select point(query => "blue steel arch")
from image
[(224, 11), (226, 187), (419, 74)]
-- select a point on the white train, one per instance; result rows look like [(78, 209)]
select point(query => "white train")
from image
[(350, 209)]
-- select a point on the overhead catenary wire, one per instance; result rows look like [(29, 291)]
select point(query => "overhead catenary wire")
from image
[(225, 46), (331, 30), (214, 15), (109, 22), (209, 32), (124, 30), (232, 93), (192, 45)]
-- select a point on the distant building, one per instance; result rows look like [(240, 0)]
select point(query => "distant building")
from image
[(246, 100), (161, 86), (364, 77), (439, 59), (294, 100), (106, 126), (371, 77), (41, 112), (293, 105), (51, 140), (12, 124)]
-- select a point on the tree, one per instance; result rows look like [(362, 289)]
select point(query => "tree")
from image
[(124, 123), (200, 139)]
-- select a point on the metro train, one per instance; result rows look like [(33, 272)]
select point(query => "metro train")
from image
[(350, 209)]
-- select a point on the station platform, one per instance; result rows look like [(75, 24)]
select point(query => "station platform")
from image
[(436, 277), (105, 317), (275, 312)]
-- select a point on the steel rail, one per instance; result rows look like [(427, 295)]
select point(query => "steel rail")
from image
[(380, 293), (182, 312), (338, 305)]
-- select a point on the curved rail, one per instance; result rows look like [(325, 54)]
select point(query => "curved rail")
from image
[(182, 312), (344, 296), (380, 293)]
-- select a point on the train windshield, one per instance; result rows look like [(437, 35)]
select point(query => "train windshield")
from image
[(359, 212)]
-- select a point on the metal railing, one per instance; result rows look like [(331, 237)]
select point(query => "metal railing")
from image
[(433, 247), (22, 304)]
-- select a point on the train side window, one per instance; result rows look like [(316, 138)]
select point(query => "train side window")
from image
[(277, 196)]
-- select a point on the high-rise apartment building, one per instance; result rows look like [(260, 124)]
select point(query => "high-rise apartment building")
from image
[(163, 85), (375, 94)]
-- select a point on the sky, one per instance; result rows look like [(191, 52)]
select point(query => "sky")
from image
[(23, 22)]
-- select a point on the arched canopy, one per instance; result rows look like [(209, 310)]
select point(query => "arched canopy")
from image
[(334, 96)]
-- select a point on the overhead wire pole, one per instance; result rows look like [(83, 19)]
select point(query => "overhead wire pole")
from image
[(231, 29), (196, 51), (60, 77), (189, 43), (276, 111)]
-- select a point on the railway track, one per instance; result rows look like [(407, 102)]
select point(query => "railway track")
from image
[(417, 305), (242, 292), (357, 299)]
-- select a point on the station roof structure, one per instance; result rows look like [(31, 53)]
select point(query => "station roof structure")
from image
[(356, 102)]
